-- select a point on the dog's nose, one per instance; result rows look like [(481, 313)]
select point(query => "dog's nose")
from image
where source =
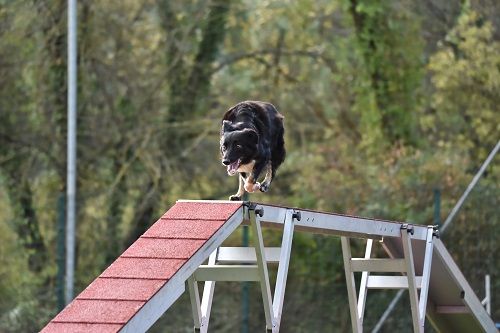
[(226, 162)]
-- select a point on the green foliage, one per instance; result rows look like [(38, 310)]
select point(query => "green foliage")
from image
[(467, 61), (389, 40)]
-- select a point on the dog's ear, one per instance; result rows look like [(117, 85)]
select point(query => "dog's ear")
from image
[(226, 126), (251, 134)]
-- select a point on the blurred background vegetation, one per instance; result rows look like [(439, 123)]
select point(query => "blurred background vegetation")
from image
[(387, 102)]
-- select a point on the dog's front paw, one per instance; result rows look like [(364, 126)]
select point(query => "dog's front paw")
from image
[(234, 198), (265, 187), (250, 188)]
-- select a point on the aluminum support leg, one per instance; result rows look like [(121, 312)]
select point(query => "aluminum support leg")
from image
[(208, 294), (426, 275), (363, 285), (357, 327), (201, 310), (410, 274), (286, 249), (263, 273), (194, 296)]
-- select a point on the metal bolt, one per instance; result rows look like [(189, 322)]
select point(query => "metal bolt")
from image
[(259, 211), (409, 228)]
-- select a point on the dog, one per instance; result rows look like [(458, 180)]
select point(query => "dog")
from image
[(251, 143)]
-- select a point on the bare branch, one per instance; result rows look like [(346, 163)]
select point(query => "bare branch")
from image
[(317, 55)]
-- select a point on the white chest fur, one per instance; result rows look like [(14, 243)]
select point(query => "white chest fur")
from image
[(246, 167)]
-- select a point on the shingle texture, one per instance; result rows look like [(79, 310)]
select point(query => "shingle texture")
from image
[(114, 297)]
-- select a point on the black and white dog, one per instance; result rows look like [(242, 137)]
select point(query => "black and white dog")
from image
[(251, 143)]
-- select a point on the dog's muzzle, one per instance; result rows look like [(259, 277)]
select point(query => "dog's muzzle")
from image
[(232, 168)]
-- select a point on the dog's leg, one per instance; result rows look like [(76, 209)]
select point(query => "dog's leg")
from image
[(264, 187), (241, 190), (251, 183)]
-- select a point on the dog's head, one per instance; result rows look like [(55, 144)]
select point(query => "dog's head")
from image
[(237, 146)]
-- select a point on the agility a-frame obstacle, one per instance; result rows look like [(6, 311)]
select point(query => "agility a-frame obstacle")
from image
[(131, 294)]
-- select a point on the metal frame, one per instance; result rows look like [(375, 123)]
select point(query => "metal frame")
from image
[(246, 264), (339, 225), (406, 265), (250, 264)]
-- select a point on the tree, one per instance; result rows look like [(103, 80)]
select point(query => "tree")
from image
[(468, 60), (390, 46)]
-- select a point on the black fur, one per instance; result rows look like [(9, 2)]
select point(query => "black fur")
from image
[(252, 131)]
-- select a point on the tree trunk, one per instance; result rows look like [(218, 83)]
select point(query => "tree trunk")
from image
[(377, 41), (189, 86), (27, 226)]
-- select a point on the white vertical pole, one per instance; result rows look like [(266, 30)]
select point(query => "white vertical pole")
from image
[(71, 153), (488, 293)]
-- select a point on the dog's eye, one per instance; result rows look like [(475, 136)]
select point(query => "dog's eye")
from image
[(223, 147), (238, 147)]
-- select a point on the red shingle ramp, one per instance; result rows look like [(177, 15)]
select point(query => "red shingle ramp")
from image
[(136, 289)]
